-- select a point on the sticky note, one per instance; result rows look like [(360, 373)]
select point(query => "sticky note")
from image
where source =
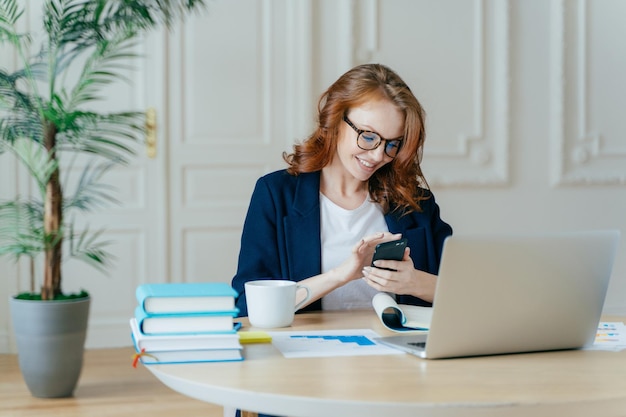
[(254, 337)]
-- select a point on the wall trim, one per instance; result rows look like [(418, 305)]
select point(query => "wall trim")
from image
[(582, 156)]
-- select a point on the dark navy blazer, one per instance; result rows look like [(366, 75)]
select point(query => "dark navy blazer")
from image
[(281, 234)]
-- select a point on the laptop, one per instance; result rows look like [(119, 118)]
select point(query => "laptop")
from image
[(515, 294)]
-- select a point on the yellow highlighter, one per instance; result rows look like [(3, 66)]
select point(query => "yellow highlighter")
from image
[(254, 337)]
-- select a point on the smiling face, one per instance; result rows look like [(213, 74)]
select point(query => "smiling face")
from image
[(380, 116)]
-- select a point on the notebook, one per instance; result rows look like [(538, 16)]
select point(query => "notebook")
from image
[(514, 294)]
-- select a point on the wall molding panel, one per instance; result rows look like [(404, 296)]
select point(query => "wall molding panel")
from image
[(207, 88), (587, 144), (472, 149), (481, 155), (201, 266), (222, 195)]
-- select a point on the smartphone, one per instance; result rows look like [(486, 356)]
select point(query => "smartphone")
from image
[(393, 250)]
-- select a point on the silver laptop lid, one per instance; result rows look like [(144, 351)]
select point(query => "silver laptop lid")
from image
[(520, 293)]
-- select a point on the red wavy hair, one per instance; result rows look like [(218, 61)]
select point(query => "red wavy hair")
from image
[(400, 184)]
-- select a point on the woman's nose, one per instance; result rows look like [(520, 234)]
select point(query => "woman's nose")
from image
[(379, 153)]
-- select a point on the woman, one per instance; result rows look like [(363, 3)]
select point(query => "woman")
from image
[(352, 184)]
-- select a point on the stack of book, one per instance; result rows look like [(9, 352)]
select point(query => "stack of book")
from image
[(185, 322)]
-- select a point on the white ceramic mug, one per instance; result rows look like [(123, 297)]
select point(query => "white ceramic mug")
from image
[(272, 302)]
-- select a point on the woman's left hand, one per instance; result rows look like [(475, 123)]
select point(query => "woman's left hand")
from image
[(404, 280)]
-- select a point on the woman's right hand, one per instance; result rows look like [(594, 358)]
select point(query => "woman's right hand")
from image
[(349, 270), (361, 256)]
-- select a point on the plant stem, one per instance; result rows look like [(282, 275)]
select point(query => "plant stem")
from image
[(52, 221)]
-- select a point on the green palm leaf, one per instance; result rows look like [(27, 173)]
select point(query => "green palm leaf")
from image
[(21, 228), (49, 119), (35, 159), (101, 69), (88, 246), (109, 136), (9, 15), (91, 192)]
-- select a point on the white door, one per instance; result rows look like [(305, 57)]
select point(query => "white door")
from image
[(226, 108), (137, 226), (231, 115)]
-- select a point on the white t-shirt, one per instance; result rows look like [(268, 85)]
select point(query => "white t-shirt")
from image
[(341, 230)]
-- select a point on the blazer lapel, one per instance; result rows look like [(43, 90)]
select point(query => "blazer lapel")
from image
[(405, 225), (302, 228)]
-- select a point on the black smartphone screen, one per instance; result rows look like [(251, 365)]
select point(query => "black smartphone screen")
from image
[(393, 250)]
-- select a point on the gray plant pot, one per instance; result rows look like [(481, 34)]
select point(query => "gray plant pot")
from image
[(50, 338)]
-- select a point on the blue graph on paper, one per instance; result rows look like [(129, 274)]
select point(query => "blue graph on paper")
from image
[(352, 342), (359, 339)]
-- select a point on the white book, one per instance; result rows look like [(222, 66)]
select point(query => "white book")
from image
[(184, 323), (190, 356), (157, 343)]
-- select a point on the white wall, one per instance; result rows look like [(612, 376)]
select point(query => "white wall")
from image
[(7, 268), (8, 277), (566, 88), (525, 107)]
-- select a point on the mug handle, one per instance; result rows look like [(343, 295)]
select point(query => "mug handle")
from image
[(308, 296)]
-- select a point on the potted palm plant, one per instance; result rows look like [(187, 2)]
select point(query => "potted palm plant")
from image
[(48, 123)]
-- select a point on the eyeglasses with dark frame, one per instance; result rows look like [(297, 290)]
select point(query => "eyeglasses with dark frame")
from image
[(368, 140)]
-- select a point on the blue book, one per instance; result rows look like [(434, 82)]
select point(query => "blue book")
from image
[(192, 323), (184, 298)]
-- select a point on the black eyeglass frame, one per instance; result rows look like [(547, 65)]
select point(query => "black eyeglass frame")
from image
[(381, 139)]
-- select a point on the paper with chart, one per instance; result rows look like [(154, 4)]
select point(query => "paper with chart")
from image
[(610, 336), (326, 343)]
